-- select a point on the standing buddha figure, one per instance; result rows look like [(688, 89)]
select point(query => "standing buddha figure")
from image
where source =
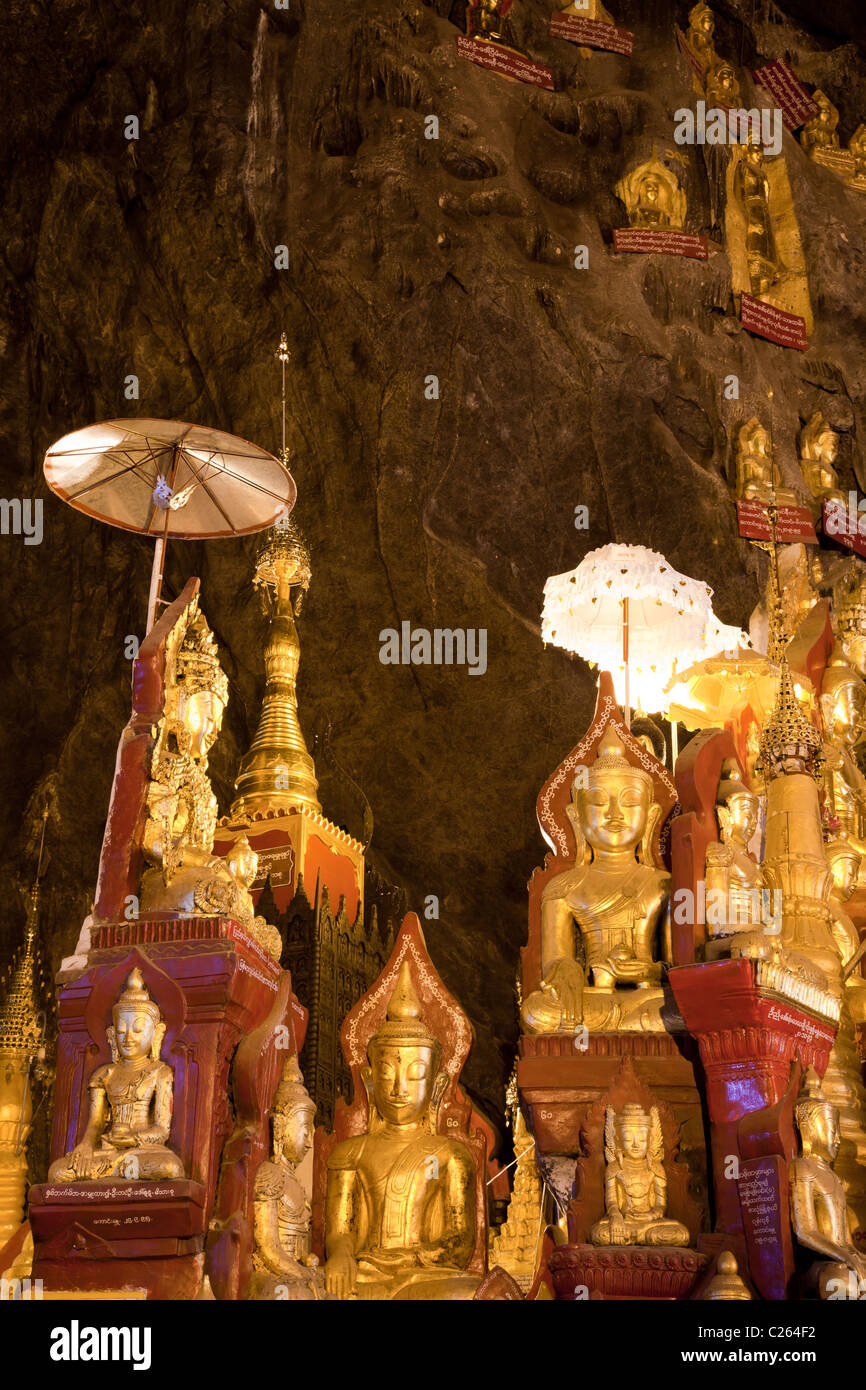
[(635, 1183), (400, 1202), (130, 1100), (752, 191), (613, 896)]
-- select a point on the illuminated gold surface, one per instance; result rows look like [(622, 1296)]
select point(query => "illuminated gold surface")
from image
[(761, 232), (819, 446), (635, 1184), (516, 1247), (616, 898), (130, 1100), (818, 1206), (726, 1283), (400, 1205), (652, 196)]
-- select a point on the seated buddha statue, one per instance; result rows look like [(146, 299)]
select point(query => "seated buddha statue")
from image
[(130, 1100), (818, 1203), (652, 196), (400, 1201), (283, 1265), (483, 20), (758, 476), (751, 189), (615, 900), (819, 446), (722, 87), (732, 876), (820, 132), (635, 1183)]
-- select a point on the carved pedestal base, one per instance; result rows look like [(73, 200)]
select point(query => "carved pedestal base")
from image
[(628, 1272), (116, 1233)]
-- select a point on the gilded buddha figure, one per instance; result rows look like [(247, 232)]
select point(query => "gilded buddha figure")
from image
[(400, 1203), (819, 447), (130, 1100), (849, 613), (283, 1265), (652, 196), (843, 706), (635, 1183), (613, 896), (752, 190), (722, 87), (732, 876), (758, 477), (818, 1204), (700, 36), (820, 133)]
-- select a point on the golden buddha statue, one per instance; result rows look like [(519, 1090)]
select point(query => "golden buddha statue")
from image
[(758, 476), (727, 1282), (635, 1184), (616, 899), (731, 875), (857, 151), (652, 196), (483, 20), (700, 36), (751, 188), (819, 446), (283, 1265), (130, 1100), (186, 878), (819, 133), (849, 613), (400, 1202), (722, 87), (843, 707), (818, 1206)]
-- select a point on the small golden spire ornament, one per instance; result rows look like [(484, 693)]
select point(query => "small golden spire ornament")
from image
[(789, 741)]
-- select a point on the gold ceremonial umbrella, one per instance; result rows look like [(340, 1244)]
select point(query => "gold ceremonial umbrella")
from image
[(713, 691), (166, 478)]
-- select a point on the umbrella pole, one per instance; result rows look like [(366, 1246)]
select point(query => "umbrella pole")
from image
[(156, 580), (625, 659), (675, 744)]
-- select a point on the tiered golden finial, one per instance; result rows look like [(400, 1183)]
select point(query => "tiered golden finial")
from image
[(21, 1041), (516, 1246), (788, 737), (278, 773)]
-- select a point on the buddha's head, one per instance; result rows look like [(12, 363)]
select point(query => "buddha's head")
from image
[(843, 699), (702, 20), (294, 1113), (844, 862), (754, 152), (817, 1120), (634, 1124), (404, 1076), (724, 80), (737, 809), (243, 861), (650, 190), (612, 811), (136, 1020)]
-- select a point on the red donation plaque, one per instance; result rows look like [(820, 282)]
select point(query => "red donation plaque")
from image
[(592, 33), (792, 523), (763, 1192), (788, 330), (649, 239), (842, 523), (788, 92), (506, 61)]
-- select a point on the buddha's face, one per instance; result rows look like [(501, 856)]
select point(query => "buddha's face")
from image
[(845, 868), (705, 23), (825, 1135), (403, 1077), (743, 811), (613, 809), (202, 714), (844, 711), (244, 862), (634, 1135), (827, 446), (755, 155), (133, 1031), (298, 1135), (725, 79)]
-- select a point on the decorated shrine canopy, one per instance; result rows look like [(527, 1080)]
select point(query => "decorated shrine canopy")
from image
[(625, 603)]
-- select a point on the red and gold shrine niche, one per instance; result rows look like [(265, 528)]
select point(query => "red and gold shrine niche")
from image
[(172, 972), (399, 1209)]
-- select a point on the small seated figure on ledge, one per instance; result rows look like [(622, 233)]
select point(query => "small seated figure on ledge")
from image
[(130, 1101), (819, 1211), (732, 875), (652, 196), (635, 1183), (283, 1266)]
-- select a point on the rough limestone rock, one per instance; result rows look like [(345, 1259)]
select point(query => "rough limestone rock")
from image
[(409, 258)]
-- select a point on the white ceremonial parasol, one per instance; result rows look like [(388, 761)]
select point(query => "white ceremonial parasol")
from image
[(165, 478), (626, 610)]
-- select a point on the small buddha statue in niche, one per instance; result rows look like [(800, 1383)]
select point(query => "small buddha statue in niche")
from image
[(635, 1183), (818, 1204), (819, 133), (752, 190), (722, 87), (616, 900), (400, 1203), (283, 1265), (819, 446), (758, 477), (731, 874), (652, 196), (130, 1100)]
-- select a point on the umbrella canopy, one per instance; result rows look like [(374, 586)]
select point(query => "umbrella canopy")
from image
[(670, 619), (713, 691), (169, 479)]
